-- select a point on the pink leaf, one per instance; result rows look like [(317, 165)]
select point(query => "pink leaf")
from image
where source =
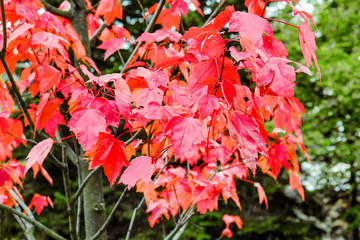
[(112, 46), (308, 45), (183, 132), (262, 195), (139, 168), (87, 124), (244, 130), (250, 25), (38, 153)]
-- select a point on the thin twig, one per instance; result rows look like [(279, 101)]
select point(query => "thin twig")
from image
[(56, 11), (23, 205), (98, 32), (83, 184), (111, 215), (133, 218), (37, 224), (216, 11), (26, 226), (3, 21), (149, 28), (70, 206)]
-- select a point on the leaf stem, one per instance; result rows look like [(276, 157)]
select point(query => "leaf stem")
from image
[(270, 19)]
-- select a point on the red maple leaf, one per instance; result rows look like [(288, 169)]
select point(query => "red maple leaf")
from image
[(109, 9), (39, 202), (108, 152), (249, 25), (111, 46)]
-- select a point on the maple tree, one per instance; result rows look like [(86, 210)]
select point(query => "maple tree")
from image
[(176, 122)]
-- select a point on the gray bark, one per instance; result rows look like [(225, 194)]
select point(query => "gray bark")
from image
[(93, 196)]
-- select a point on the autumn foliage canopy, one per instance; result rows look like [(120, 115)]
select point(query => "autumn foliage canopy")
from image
[(176, 123)]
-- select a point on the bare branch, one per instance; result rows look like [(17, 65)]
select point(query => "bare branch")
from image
[(98, 32), (3, 20), (56, 11), (133, 218), (23, 205), (216, 11), (37, 224)]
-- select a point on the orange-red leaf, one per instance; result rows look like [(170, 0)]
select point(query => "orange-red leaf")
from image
[(108, 152)]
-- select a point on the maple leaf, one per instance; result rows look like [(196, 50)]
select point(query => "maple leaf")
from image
[(308, 45), (245, 131), (295, 183), (87, 124), (207, 105), (140, 168), (47, 110), (111, 46), (168, 19), (159, 36), (48, 77), (221, 19), (228, 219), (38, 153), (184, 132), (288, 115), (39, 202), (109, 9), (262, 195), (257, 7), (279, 75), (249, 25), (108, 152)]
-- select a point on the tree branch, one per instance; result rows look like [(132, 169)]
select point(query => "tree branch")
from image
[(56, 11), (133, 218), (106, 223), (98, 32), (37, 224), (216, 11), (3, 20), (149, 28), (83, 184)]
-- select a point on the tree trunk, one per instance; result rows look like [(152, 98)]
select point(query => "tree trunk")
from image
[(93, 196)]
